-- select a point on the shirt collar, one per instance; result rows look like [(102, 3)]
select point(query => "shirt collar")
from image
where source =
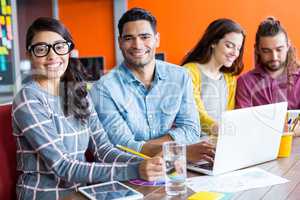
[(127, 73), (259, 70), (159, 72)]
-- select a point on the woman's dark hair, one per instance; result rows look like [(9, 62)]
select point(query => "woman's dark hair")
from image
[(73, 89), (216, 30)]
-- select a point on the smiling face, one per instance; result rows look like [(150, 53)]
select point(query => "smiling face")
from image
[(227, 50), (51, 66), (272, 51), (138, 43)]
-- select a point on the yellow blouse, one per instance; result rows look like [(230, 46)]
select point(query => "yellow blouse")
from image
[(207, 121)]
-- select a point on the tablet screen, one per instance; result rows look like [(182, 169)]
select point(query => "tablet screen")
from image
[(113, 190)]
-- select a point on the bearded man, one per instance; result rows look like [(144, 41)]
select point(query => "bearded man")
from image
[(276, 76)]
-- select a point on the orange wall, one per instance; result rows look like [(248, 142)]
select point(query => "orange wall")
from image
[(91, 25), (180, 23)]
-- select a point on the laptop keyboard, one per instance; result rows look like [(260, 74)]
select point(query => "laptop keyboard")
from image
[(207, 166)]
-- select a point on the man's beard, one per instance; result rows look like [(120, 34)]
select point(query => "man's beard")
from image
[(139, 63), (133, 64), (271, 67)]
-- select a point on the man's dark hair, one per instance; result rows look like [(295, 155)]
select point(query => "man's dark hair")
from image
[(136, 14), (271, 27)]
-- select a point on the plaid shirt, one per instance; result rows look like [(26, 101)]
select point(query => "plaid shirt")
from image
[(257, 87), (51, 148)]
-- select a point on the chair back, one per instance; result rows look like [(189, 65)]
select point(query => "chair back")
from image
[(8, 173)]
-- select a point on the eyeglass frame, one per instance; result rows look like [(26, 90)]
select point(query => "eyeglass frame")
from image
[(50, 46)]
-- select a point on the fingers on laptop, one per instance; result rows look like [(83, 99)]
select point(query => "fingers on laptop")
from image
[(202, 150), (208, 158), (207, 144)]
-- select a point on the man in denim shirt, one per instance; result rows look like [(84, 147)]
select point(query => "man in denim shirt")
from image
[(145, 102)]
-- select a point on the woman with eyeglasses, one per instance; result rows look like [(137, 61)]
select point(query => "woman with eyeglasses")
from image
[(213, 65), (54, 123)]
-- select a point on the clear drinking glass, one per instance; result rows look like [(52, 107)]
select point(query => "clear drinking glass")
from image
[(175, 168)]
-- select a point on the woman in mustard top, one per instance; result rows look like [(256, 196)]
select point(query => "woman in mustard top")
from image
[(213, 64)]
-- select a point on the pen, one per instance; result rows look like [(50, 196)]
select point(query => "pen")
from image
[(132, 151), (295, 122), (287, 123), (172, 171)]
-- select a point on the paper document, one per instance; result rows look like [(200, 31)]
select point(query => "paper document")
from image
[(235, 181)]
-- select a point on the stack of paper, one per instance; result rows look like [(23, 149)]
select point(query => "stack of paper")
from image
[(235, 181)]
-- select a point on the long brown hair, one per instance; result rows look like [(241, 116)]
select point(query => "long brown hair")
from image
[(271, 27), (215, 31)]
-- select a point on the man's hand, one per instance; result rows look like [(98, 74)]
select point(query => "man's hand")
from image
[(151, 169), (154, 147), (151, 149), (201, 151)]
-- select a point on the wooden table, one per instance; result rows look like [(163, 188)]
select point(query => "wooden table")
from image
[(285, 167)]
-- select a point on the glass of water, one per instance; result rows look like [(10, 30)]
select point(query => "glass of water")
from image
[(175, 167)]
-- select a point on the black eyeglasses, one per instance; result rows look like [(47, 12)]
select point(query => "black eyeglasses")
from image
[(42, 49)]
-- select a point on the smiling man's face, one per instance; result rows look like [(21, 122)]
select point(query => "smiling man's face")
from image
[(138, 43)]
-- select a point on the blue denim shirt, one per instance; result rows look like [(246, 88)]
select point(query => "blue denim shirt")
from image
[(132, 114)]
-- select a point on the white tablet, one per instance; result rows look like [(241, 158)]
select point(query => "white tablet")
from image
[(109, 191)]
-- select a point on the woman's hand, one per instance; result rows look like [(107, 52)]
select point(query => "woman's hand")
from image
[(215, 129), (151, 169), (297, 130)]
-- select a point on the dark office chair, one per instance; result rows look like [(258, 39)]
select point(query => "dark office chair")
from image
[(8, 173)]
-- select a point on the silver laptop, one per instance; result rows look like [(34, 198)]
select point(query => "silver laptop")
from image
[(247, 137)]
